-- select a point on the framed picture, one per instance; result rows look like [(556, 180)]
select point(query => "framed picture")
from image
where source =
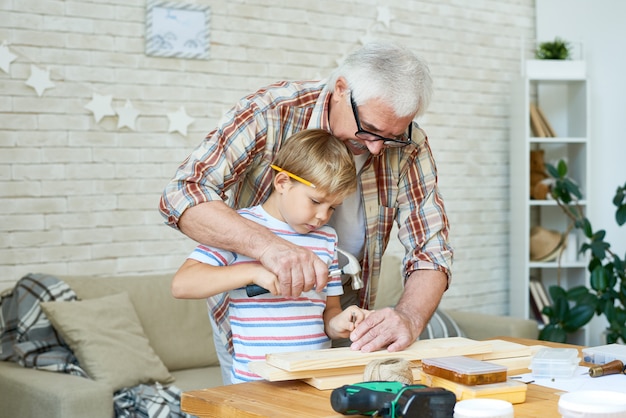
[(177, 30)]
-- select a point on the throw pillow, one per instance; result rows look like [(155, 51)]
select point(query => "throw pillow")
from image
[(441, 325), (106, 336)]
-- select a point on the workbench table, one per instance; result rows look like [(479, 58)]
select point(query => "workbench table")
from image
[(290, 399)]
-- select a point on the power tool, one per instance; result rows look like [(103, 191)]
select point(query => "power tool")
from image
[(393, 400), (351, 268)]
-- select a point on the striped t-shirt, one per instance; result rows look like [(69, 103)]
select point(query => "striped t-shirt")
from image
[(270, 324)]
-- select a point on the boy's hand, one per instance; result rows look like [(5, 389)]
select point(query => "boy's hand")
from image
[(265, 278), (345, 322)]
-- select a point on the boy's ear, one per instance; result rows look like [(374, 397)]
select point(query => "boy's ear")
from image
[(281, 182)]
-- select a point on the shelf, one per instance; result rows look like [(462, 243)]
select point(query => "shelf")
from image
[(557, 140), (559, 94), (555, 265), (548, 202), (555, 70)]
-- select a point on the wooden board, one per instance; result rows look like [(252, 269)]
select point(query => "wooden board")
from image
[(332, 382), (275, 374), (503, 349), (345, 357)]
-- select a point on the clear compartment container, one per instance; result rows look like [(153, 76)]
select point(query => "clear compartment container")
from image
[(554, 362)]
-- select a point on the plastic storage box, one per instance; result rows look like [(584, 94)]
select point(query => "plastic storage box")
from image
[(605, 353), (465, 370), (511, 391), (554, 362)]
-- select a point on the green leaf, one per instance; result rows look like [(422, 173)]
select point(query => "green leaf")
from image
[(587, 228), (599, 235), (553, 333), (552, 171), (578, 292), (578, 316), (557, 292), (599, 279), (620, 196), (620, 215), (562, 168), (572, 188), (561, 309), (598, 249)]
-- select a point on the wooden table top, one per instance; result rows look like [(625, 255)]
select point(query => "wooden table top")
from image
[(294, 398)]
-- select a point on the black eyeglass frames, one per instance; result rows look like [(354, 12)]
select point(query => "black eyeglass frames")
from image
[(370, 136)]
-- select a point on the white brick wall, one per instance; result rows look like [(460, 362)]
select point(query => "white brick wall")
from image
[(82, 197)]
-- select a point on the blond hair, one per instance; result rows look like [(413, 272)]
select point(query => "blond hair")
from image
[(319, 157)]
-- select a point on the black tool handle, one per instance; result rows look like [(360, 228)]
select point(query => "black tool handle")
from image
[(255, 290), (352, 400)]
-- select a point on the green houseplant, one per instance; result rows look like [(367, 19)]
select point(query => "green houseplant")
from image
[(553, 50), (573, 308)]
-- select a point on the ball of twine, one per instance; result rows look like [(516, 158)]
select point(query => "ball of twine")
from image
[(389, 370)]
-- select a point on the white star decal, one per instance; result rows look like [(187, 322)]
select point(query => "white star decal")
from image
[(39, 79), (126, 115), (384, 15), (6, 57), (179, 121), (100, 106)]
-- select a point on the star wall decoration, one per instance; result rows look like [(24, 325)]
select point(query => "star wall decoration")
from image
[(179, 121), (6, 57), (126, 115), (39, 79), (100, 106)]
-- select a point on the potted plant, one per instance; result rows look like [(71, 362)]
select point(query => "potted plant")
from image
[(558, 49), (553, 59), (573, 308)]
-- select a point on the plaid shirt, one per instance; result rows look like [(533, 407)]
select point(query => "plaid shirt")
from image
[(233, 164)]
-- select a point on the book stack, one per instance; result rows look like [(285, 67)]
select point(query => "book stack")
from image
[(539, 125), (538, 299)]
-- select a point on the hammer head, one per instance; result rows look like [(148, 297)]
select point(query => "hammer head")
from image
[(352, 268)]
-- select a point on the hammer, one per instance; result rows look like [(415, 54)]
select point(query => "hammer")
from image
[(352, 269)]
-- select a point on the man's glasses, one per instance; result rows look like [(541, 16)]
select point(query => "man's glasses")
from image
[(370, 136)]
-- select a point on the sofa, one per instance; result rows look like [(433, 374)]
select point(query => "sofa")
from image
[(179, 333)]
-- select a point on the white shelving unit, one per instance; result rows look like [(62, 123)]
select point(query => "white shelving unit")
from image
[(560, 89)]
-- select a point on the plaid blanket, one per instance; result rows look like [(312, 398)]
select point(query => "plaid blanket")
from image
[(28, 338)]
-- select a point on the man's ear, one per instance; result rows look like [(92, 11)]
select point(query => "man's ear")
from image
[(341, 87), (282, 182)]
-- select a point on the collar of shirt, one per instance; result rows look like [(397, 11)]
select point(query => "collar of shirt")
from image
[(319, 117)]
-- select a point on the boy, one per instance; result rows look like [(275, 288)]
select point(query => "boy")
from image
[(314, 172)]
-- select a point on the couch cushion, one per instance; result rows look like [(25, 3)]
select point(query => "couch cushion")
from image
[(107, 338), (178, 330), (197, 379)]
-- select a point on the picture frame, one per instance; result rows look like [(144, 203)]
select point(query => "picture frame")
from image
[(177, 30)]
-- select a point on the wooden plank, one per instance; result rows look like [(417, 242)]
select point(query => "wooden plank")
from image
[(275, 374), (332, 382), (503, 349), (514, 365), (345, 357)]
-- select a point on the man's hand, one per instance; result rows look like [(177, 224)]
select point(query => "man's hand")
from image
[(399, 327), (383, 328), (298, 269)]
